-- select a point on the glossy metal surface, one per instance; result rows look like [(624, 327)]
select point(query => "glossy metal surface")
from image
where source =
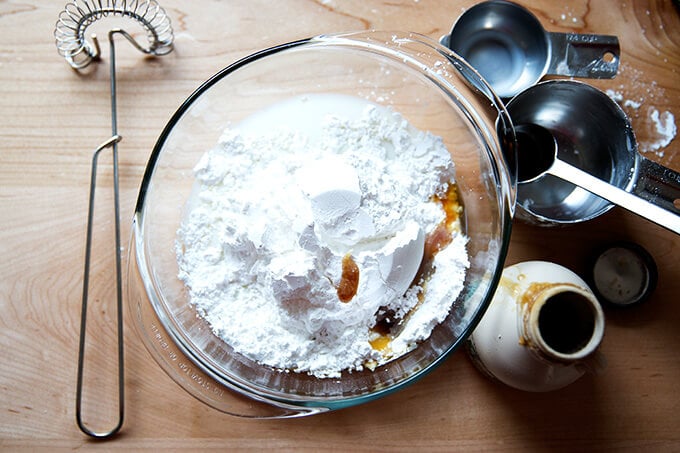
[(536, 144), (597, 150), (508, 45)]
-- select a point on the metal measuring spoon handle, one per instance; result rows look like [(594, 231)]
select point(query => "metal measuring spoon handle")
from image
[(658, 184), (536, 142), (583, 55)]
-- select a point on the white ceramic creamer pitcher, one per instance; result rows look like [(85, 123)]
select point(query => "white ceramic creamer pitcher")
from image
[(542, 330)]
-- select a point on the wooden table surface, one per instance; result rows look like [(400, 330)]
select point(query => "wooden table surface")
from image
[(52, 118)]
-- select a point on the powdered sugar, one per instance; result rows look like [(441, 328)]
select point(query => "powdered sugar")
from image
[(275, 213), (640, 98), (663, 127), (659, 127)]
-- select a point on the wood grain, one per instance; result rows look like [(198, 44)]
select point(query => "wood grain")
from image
[(52, 118)]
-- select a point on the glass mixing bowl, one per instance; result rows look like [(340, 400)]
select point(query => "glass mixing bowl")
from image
[(426, 83)]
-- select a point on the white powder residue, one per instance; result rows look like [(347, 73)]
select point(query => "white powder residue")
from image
[(655, 129), (570, 17), (632, 104), (277, 215), (664, 129)]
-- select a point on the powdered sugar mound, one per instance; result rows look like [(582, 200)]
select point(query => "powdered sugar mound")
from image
[(276, 212), (450, 263)]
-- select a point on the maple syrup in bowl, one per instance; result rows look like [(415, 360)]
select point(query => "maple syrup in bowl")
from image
[(430, 88)]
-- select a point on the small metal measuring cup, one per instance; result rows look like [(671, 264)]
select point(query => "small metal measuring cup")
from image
[(510, 48), (587, 130)]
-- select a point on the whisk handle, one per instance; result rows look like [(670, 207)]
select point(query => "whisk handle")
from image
[(110, 143)]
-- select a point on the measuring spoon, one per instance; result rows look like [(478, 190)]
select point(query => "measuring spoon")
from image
[(595, 135), (537, 156), (510, 48)]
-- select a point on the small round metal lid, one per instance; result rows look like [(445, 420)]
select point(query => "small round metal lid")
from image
[(624, 274)]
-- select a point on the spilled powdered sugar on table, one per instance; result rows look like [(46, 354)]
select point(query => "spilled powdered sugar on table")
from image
[(639, 98), (330, 245)]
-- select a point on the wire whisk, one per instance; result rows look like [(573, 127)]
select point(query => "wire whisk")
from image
[(70, 35), (78, 15)]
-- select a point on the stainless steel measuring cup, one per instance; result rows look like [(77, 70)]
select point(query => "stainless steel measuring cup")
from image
[(593, 134), (508, 45)]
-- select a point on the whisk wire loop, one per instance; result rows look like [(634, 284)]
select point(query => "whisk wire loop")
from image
[(78, 15)]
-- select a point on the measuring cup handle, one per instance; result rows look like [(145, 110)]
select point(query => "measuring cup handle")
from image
[(658, 185), (582, 55)]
